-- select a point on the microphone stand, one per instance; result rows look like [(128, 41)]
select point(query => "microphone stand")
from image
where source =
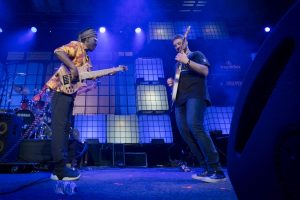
[(4, 83), (10, 94)]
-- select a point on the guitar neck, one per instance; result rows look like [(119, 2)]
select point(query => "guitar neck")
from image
[(97, 73)]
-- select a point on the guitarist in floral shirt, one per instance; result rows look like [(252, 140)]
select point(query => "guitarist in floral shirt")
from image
[(73, 56)]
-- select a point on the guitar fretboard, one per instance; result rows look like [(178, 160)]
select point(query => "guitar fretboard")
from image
[(97, 73)]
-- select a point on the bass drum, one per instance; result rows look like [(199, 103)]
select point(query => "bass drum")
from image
[(27, 117)]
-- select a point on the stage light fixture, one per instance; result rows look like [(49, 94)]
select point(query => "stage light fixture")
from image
[(138, 30), (267, 29), (33, 29), (102, 29), (1, 30)]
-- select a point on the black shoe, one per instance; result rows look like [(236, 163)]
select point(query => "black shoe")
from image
[(65, 174), (201, 173), (210, 177)]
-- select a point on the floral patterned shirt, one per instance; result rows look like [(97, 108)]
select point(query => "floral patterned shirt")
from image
[(76, 51)]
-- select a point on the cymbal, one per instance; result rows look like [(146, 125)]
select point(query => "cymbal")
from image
[(20, 89)]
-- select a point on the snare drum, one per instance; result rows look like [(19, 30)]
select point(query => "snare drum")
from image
[(27, 118)]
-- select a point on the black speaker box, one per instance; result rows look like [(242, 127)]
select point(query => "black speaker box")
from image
[(263, 149), (35, 151), (136, 159), (10, 134), (39, 151), (221, 144), (118, 155)]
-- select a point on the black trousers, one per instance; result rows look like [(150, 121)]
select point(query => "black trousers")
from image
[(61, 107), (189, 119)]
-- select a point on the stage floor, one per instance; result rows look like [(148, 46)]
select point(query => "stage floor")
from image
[(117, 183)]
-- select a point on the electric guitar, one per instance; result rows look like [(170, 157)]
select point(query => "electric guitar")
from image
[(69, 86), (178, 68)]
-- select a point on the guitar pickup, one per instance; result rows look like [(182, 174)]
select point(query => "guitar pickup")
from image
[(66, 79)]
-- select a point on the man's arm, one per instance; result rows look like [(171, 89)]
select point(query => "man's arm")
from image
[(64, 58), (199, 68)]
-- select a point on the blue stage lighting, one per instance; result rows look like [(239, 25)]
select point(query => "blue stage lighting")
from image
[(267, 29), (33, 29), (138, 30), (102, 29), (1, 30)]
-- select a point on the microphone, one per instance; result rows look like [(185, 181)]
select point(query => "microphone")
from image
[(21, 74)]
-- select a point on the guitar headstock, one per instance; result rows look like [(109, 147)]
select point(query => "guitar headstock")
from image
[(187, 31), (122, 68)]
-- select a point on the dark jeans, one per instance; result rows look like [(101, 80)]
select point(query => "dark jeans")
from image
[(61, 107), (189, 119)]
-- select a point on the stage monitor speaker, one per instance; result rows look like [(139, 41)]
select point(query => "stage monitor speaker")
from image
[(264, 145), (35, 151), (10, 133), (118, 155), (39, 151)]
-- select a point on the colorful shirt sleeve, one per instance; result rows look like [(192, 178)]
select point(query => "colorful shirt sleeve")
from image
[(70, 48)]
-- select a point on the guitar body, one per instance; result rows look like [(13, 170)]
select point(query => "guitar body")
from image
[(176, 84), (65, 80)]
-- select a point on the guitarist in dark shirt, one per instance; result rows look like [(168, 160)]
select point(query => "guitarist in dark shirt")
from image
[(191, 101)]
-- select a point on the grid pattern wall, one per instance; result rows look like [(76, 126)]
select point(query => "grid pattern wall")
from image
[(218, 119), (125, 92), (213, 30), (195, 32), (25, 79), (205, 30), (152, 98), (149, 69), (161, 30), (100, 100), (155, 127), (122, 129), (112, 95), (91, 127)]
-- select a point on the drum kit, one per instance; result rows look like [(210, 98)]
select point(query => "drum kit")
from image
[(34, 113)]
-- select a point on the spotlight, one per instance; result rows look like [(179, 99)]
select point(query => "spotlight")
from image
[(267, 29), (102, 29), (1, 31), (33, 29), (138, 30)]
